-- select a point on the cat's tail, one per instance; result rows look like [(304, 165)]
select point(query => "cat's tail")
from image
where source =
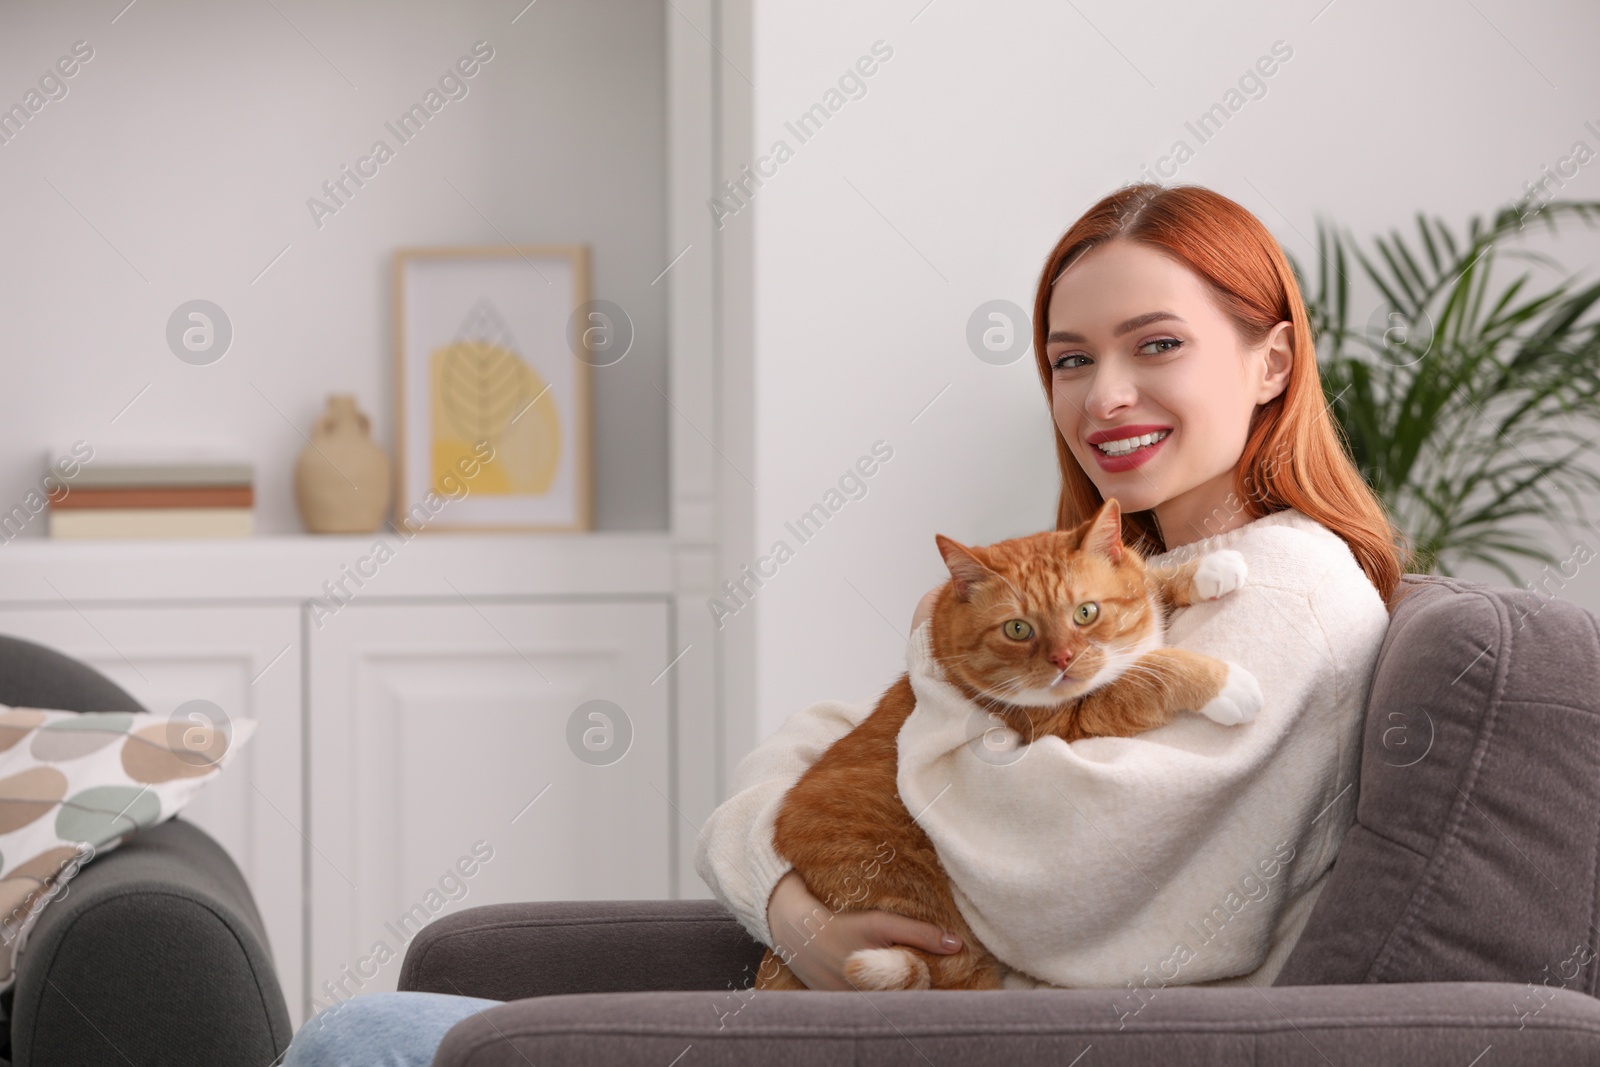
[(887, 968)]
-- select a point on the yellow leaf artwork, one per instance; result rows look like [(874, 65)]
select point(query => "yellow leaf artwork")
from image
[(483, 390)]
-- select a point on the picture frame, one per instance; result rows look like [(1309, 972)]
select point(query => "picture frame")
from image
[(493, 419)]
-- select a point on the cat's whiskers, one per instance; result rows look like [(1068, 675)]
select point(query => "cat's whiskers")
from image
[(991, 703), (1017, 684), (1137, 673), (992, 695), (1013, 685), (1004, 689)]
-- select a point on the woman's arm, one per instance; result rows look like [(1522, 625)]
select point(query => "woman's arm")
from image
[(1178, 849), (734, 853), (735, 857)]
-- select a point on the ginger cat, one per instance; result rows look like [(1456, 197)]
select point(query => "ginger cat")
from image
[(1015, 618)]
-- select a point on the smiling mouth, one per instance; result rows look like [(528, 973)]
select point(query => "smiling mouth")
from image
[(1126, 446)]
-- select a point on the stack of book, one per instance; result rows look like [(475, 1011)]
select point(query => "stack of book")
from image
[(174, 499)]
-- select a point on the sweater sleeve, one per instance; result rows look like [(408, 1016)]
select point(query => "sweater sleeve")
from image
[(734, 854), (1175, 852)]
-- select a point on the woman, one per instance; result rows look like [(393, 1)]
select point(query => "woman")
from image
[(1243, 457), (1168, 316)]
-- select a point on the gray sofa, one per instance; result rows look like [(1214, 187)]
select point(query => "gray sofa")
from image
[(1457, 927), (156, 953)]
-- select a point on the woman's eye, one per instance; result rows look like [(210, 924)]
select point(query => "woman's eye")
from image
[(1062, 362)]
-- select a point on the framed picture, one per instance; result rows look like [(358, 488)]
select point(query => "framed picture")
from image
[(492, 407)]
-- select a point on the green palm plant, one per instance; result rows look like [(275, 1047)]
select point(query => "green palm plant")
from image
[(1466, 407)]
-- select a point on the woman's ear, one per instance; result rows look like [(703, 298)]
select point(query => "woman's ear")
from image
[(1277, 354)]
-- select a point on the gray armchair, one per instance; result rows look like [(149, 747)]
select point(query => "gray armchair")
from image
[(1458, 920), (156, 953)]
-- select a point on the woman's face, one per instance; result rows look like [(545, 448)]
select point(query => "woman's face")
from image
[(1137, 346)]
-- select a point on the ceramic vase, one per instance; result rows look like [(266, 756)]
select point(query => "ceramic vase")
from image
[(341, 480)]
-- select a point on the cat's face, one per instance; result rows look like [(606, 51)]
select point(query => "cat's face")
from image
[(1039, 620)]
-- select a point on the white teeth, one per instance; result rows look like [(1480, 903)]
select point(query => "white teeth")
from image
[(1128, 444)]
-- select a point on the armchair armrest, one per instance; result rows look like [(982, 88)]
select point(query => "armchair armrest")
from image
[(154, 954), (1434, 1024), (661, 975), (511, 951)]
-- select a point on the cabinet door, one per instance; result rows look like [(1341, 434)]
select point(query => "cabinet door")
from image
[(443, 733), (246, 660)]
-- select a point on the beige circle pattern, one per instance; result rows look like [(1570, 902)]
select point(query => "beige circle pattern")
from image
[(103, 776)]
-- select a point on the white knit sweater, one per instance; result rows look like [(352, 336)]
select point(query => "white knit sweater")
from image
[(1189, 854)]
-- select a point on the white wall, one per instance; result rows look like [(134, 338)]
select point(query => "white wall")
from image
[(986, 134), (179, 164)]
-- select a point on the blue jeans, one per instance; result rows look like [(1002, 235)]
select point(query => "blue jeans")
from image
[(380, 1030)]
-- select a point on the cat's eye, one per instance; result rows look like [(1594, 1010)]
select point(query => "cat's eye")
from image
[(1087, 612), (1017, 629)]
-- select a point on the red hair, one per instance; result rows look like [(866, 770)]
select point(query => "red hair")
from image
[(1295, 455)]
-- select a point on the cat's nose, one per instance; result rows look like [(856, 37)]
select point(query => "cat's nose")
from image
[(1061, 658)]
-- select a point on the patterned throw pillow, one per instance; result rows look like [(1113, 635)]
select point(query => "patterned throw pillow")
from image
[(75, 785)]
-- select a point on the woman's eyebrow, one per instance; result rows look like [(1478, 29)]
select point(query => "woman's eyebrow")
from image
[(1132, 324)]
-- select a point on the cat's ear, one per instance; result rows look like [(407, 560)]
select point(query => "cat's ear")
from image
[(966, 569), (1105, 532)]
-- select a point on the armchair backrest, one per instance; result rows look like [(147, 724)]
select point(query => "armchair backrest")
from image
[(1476, 845)]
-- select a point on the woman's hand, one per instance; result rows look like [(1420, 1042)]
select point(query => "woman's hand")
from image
[(815, 942), (925, 606)]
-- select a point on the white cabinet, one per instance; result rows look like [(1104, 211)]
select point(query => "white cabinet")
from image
[(428, 713), (245, 660), (442, 741)]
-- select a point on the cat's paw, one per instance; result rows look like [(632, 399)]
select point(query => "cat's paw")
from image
[(1239, 701), (1220, 573)]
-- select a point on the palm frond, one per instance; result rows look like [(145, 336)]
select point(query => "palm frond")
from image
[(1454, 427)]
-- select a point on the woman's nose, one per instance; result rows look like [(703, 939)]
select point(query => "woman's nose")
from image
[(1110, 391)]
